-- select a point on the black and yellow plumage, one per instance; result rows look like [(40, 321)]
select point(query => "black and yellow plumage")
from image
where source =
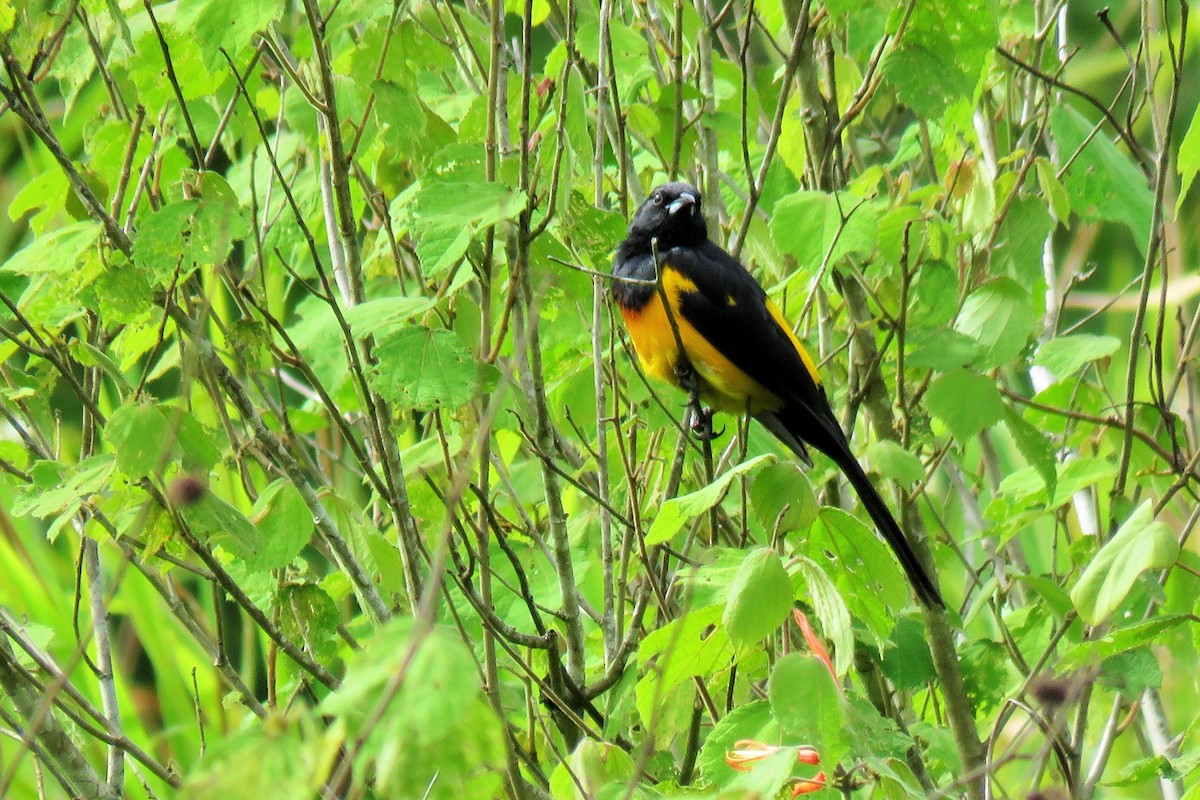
[(732, 345)]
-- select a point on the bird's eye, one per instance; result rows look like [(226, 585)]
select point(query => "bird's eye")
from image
[(658, 198)]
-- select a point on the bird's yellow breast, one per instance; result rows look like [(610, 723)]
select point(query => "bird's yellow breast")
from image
[(722, 383)]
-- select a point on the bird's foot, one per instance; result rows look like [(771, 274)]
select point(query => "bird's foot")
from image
[(699, 422)]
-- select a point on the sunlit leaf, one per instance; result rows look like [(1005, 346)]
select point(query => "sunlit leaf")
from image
[(759, 599), (674, 513), (1140, 544), (966, 401)]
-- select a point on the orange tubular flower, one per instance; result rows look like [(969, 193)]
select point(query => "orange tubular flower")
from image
[(808, 785), (748, 752), (816, 645)]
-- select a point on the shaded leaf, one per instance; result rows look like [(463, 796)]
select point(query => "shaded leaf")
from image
[(284, 525), (422, 368), (1103, 182), (1037, 449)]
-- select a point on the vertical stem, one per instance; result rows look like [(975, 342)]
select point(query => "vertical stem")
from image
[(708, 139), (97, 599), (677, 77), (608, 621), (602, 84), (104, 665)]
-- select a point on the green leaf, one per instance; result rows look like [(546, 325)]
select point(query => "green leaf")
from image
[(46, 193), (693, 645), (766, 779), (57, 252), (56, 489), (591, 768), (219, 523), (807, 225), (384, 315), (284, 525), (941, 349), (907, 662), (935, 296), (892, 461), (1053, 189), (759, 599), (782, 498), (308, 616), (1131, 673), (865, 571), (1025, 229), (808, 705), (436, 730), (1139, 545), (424, 369), (677, 511), (1103, 182), (593, 232), (1148, 769), (1036, 448), (879, 737), (271, 760), (400, 115), (999, 318), (793, 147), (1119, 641), (1065, 356), (445, 214), (941, 56), (968, 403), (830, 609), (751, 720), (1189, 159), (200, 447), (187, 235), (140, 435)]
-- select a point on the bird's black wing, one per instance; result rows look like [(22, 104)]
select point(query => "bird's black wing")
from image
[(729, 309)]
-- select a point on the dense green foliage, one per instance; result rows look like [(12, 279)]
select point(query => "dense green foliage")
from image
[(327, 472)]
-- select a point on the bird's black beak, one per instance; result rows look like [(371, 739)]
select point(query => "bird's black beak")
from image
[(685, 200)]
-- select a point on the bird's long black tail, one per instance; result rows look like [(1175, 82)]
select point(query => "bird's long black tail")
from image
[(821, 430), (921, 580)]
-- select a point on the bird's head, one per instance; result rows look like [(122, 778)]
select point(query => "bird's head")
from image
[(672, 215)]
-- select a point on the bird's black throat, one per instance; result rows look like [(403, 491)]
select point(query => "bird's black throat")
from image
[(669, 218)]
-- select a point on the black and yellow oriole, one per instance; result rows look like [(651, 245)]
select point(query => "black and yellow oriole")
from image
[(738, 352)]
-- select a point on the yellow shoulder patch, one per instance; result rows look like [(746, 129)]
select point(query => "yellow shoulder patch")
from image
[(804, 356)]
